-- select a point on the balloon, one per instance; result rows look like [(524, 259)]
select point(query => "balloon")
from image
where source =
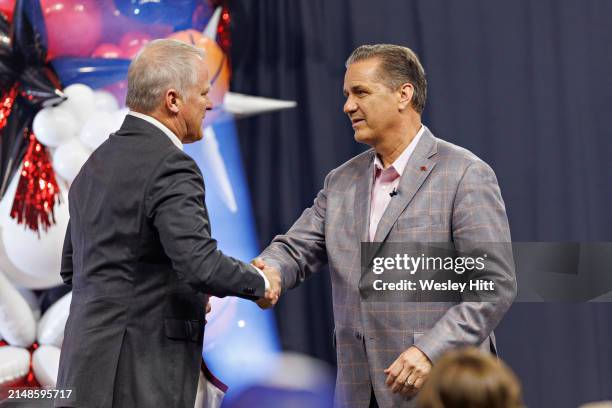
[(174, 12), (216, 62), (73, 27), (37, 256), (80, 101), (45, 364), (51, 326), (94, 72), (132, 42), (105, 101), (54, 126), (23, 280), (6, 8), (14, 363), (12, 272), (107, 50), (97, 129), (69, 158), (17, 324)]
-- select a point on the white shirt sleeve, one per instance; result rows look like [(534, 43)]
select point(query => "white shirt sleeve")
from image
[(263, 276)]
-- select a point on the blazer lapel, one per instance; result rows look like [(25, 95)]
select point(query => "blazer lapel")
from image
[(363, 194), (417, 169)]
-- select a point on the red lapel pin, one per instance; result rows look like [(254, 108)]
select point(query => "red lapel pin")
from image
[(423, 168)]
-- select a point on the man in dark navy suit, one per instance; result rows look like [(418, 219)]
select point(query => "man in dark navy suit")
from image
[(138, 250)]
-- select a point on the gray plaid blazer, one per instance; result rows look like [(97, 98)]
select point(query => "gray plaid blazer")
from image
[(445, 194)]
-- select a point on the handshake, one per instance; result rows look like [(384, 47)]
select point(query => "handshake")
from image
[(274, 278)]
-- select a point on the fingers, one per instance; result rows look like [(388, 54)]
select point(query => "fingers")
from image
[(408, 372), (393, 372), (208, 308), (264, 303), (258, 262)]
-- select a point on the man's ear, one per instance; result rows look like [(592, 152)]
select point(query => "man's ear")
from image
[(406, 92), (172, 100)]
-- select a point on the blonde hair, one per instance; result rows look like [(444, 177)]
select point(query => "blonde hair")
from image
[(469, 378)]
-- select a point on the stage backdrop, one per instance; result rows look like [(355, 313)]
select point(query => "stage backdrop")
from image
[(525, 85)]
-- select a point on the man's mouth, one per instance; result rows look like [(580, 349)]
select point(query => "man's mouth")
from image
[(357, 121)]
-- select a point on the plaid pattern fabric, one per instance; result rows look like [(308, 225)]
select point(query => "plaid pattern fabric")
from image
[(446, 194)]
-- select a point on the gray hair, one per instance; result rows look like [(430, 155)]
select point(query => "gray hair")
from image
[(159, 66), (398, 65)]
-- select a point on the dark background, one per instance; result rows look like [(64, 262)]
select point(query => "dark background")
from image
[(526, 85)]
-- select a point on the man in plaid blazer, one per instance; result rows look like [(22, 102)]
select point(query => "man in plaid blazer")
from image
[(409, 187)]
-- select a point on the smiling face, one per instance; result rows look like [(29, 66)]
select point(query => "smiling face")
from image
[(372, 107), (195, 104)]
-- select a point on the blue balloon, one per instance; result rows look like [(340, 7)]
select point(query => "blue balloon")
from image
[(94, 72), (177, 13)]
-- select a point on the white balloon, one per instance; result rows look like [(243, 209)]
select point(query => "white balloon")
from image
[(69, 158), (12, 272), (54, 125), (97, 129), (34, 255), (31, 299), (51, 326), (14, 364), (105, 102), (45, 364), (17, 324), (23, 280), (80, 102)]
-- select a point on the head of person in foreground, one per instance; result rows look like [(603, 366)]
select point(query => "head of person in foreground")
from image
[(469, 378)]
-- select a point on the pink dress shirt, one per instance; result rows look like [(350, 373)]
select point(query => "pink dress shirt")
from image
[(386, 182)]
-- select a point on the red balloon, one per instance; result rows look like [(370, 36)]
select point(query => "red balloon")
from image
[(73, 27), (107, 50), (6, 8), (132, 42)]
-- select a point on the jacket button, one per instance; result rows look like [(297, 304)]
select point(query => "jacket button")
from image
[(358, 335), (249, 291)]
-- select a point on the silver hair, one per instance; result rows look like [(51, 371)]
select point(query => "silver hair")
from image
[(161, 65), (398, 65)]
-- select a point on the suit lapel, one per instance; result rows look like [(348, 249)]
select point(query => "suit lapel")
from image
[(363, 194), (417, 169)]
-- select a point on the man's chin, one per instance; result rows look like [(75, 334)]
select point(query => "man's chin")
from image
[(362, 137)]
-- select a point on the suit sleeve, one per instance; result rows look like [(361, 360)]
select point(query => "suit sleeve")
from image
[(66, 265), (479, 225), (301, 251), (175, 205)]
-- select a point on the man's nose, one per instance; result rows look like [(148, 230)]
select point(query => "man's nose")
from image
[(349, 106)]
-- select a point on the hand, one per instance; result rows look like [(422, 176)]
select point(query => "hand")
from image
[(408, 372), (208, 307), (271, 297)]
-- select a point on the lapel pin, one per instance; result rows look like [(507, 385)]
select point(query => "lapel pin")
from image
[(423, 168)]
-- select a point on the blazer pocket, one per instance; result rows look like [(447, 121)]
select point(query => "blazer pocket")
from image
[(420, 221), (185, 330)]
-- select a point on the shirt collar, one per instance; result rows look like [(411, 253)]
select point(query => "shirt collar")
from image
[(173, 138), (400, 163)]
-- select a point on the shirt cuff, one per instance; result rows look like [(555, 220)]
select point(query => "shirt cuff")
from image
[(263, 275)]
